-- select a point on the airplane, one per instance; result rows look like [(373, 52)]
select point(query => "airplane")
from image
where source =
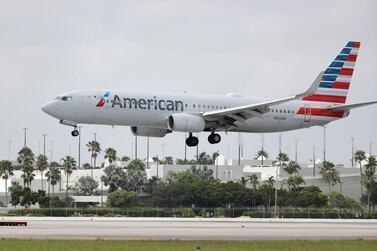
[(156, 114)]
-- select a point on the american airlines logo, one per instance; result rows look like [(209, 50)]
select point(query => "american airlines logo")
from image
[(143, 103)]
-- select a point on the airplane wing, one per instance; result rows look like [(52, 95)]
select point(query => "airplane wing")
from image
[(242, 113), (342, 108)]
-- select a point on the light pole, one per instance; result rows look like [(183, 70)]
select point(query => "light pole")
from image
[(197, 150), (79, 155), (276, 182), (9, 147), (148, 151), (135, 147), (217, 164), (370, 149), (239, 149), (263, 147), (163, 151), (313, 161), (52, 150), (352, 151), (324, 143), (157, 165), (25, 132), (132, 151), (296, 144), (44, 144), (185, 159)]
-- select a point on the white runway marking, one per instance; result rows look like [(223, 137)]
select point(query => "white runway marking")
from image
[(188, 229)]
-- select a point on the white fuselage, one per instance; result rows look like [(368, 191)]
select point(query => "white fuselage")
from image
[(150, 109)]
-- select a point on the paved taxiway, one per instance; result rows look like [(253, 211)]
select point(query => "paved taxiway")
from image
[(188, 229)]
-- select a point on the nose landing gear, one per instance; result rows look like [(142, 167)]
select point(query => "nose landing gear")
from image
[(75, 132), (214, 138), (192, 140)]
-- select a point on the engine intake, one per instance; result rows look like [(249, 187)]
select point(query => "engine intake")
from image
[(184, 122), (149, 131)]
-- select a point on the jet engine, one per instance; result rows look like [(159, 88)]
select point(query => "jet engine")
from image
[(184, 122), (149, 131)]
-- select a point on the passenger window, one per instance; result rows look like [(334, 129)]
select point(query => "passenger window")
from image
[(280, 111), (194, 105)]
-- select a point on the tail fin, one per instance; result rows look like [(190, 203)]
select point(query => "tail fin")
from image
[(337, 77)]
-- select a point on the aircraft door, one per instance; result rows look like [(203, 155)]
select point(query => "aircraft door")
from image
[(307, 113)]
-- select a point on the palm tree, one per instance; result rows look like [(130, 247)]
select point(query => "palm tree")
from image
[(28, 175), (329, 174), (243, 181), (111, 155), (41, 165), (25, 156), (253, 179), (291, 168), (53, 177), (69, 165), (359, 157), (282, 157), (368, 178), (270, 185), (261, 153), (94, 148), (6, 170), (295, 181)]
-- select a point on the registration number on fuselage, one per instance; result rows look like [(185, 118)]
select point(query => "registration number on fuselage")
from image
[(279, 118)]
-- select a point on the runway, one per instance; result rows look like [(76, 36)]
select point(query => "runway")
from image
[(188, 229)]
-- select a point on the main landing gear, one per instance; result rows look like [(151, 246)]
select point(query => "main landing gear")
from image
[(75, 132), (192, 140), (213, 138)]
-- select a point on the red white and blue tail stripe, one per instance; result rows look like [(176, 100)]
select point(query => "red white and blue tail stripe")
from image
[(337, 77)]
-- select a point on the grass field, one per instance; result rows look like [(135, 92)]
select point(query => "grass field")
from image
[(99, 245)]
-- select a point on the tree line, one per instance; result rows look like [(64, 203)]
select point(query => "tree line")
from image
[(196, 186)]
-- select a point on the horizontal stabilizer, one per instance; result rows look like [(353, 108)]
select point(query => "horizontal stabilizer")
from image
[(350, 106)]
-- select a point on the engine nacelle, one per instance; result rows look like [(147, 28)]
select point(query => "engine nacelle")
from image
[(149, 131), (184, 122)]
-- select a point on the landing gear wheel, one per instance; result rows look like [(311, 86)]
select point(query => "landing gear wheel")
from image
[(192, 141), (75, 133), (214, 138)]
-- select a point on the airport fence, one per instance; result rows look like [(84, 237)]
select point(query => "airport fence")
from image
[(230, 212)]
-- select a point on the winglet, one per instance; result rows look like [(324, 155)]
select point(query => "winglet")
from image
[(313, 88)]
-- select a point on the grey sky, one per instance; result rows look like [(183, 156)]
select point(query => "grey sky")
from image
[(257, 48)]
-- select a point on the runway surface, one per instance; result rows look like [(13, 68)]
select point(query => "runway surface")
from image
[(188, 229)]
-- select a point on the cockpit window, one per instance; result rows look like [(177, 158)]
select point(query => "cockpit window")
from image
[(64, 98)]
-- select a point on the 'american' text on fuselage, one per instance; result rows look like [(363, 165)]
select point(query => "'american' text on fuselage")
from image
[(147, 104)]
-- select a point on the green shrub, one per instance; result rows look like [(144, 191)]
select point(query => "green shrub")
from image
[(121, 199), (219, 212), (258, 214), (185, 213)]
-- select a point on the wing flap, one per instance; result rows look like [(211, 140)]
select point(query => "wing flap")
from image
[(258, 109)]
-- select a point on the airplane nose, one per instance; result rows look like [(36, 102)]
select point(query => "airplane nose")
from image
[(48, 108)]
